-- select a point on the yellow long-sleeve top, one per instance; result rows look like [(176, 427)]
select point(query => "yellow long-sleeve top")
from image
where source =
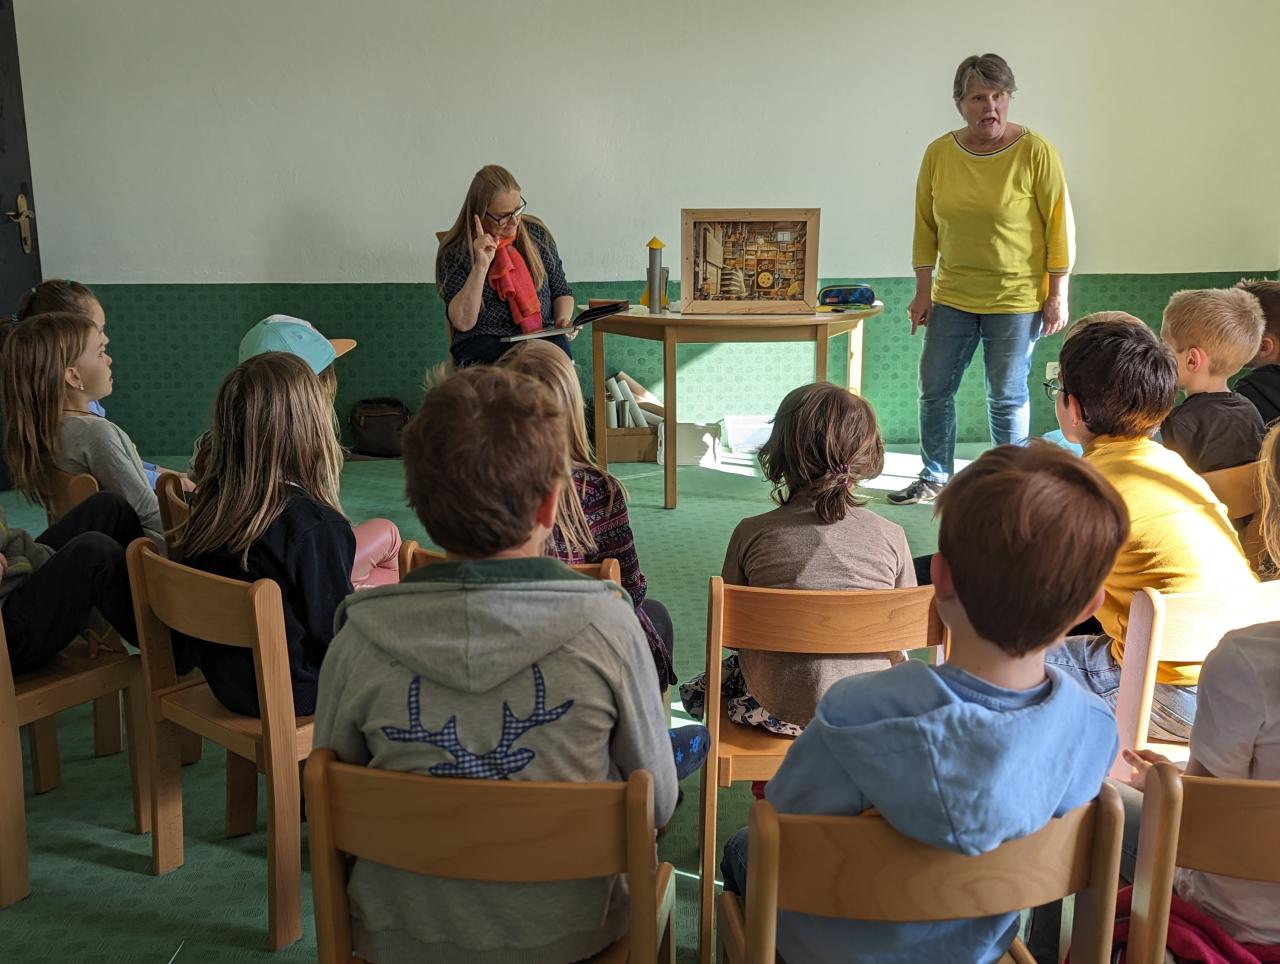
[(1180, 539), (995, 224)]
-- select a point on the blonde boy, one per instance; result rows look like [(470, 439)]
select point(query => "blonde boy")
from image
[(1213, 333)]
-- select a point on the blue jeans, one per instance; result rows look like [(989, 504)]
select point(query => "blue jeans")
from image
[(733, 868), (950, 339), (1088, 660)]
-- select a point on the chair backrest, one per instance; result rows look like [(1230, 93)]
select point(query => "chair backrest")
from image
[(1240, 490), (1226, 827), (68, 492), (174, 509), (413, 556), (1178, 628), (498, 830), (828, 622), (1229, 827), (861, 868), (168, 596)]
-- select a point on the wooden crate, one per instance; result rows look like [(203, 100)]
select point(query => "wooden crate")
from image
[(633, 444)]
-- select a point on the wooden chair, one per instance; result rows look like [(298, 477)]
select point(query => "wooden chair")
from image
[(173, 513), (413, 556), (516, 830), (32, 699), (168, 596), (173, 509), (1178, 627), (861, 868), (789, 621), (68, 492), (1239, 489), (1223, 827)]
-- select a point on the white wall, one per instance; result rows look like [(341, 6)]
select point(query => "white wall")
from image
[(327, 140)]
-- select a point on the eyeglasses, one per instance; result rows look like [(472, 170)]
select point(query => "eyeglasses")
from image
[(1053, 388), (503, 220)]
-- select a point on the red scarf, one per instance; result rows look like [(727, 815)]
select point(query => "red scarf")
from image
[(509, 277)]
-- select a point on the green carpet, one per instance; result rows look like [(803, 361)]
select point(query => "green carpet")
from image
[(93, 898)]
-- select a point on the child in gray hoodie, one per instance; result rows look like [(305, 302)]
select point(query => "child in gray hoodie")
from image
[(498, 664), (989, 746)]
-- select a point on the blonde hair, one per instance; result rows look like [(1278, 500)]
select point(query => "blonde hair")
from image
[(33, 392), (273, 432), (1225, 323), (490, 181), (553, 368), (1270, 509)]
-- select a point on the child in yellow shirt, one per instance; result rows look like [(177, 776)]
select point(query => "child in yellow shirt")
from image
[(1115, 385)]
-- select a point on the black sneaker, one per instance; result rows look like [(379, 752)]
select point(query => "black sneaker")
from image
[(921, 490)]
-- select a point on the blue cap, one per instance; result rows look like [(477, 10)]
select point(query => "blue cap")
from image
[(297, 337)]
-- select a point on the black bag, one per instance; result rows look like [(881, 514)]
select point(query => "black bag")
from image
[(376, 424)]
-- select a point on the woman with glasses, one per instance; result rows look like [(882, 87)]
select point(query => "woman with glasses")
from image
[(499, 273)]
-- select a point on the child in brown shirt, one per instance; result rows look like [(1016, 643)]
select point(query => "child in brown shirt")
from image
[(824, 442)]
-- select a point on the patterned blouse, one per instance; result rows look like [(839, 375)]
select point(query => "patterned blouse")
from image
[(495, 316), (612, 530)]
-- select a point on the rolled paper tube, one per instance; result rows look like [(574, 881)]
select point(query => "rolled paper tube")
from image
[(641, 393)]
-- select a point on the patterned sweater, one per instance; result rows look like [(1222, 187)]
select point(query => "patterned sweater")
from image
[(611, 528)]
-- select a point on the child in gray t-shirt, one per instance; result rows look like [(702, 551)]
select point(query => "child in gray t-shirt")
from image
[(824, 442)]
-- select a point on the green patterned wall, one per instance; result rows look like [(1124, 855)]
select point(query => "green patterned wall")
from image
[(172, 344)]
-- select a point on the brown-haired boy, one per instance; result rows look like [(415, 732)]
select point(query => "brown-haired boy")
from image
[(1262, 384), (497, 664), (1116, 382), (1213, 333), (994, 743)]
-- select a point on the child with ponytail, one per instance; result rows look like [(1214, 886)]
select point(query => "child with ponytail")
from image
[(824, 442)]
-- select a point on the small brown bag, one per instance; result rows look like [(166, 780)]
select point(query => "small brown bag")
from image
[(376, 424)]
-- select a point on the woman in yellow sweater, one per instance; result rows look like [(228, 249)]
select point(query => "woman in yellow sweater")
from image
[(992, 214)]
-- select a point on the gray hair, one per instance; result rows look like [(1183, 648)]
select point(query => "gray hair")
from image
[(990, 69)]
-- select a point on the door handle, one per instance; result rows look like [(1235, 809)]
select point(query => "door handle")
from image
[(22, 218)]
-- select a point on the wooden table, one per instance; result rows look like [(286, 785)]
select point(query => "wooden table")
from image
[(672, 329)]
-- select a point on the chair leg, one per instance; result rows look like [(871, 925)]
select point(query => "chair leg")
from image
[(166, 797), (15, 883), (192, 747), (667, 945), (46, 767), (106, 725), (242, 796), (707, 857), (284, 856), (135, 724)]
